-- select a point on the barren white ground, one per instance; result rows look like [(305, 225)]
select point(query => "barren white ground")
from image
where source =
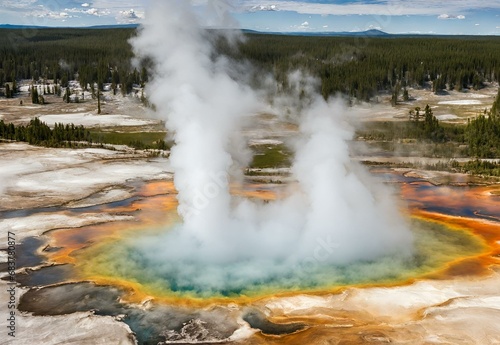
[(40, 177), (427, 312)]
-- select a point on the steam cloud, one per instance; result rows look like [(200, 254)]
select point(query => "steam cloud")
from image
[(336, 214)]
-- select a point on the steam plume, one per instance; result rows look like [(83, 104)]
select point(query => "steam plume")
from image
[(336, 215)]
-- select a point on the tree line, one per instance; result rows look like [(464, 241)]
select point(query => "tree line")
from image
[(420, 126), (39, 133), (359, 67), (363, 67), (61, 54), (481, 135)]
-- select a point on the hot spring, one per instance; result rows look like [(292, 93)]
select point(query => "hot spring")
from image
[(113, 268), (126, 255), (334, 215)]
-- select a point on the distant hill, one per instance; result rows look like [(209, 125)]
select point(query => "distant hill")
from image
[(368, 33), (117, 26), (20, 27), (9, 26)]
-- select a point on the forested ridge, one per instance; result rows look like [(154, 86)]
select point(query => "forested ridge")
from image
[(61, 54), (362, 67), (358, 67)]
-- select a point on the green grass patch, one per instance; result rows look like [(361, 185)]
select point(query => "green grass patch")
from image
[(271, 156), (138, 140)]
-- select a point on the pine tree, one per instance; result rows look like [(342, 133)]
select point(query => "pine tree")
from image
[(115, 80), (495, 109), (8, 93), (395, 93), (98, 101), (34, 95), (406, 96)]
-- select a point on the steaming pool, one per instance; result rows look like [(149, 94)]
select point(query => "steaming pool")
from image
[(103, 267), (124, 261)]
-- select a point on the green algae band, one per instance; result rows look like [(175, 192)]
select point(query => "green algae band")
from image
[(128, 262)]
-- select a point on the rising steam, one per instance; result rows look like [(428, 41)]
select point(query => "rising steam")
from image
[(336, 214)]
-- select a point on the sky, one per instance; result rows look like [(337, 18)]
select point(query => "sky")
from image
[(475, 17)]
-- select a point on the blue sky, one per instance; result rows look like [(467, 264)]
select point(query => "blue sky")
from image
[(478, 17)]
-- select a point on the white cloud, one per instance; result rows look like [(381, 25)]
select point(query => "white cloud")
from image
[(50, 15), (382, 7), (449, 16), (325, 26), (35, 12), (124, 11), (119, 10), (129, 16), (116, 6), (263, 8), (91, 11), (304, 26), (374, 27), (17, 4)]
